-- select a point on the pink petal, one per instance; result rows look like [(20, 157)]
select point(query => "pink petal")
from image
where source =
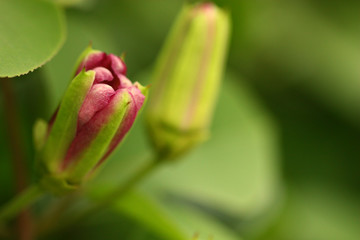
[(91, 61), (94, 60), (124, 81), (137, 96), (117, 65), (98, 97), (102, 74)]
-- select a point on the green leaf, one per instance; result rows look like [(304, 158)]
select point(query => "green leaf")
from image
[(170, 221), (318, 211), (198, 224), (32, 32), (150, 213), (323, 63)]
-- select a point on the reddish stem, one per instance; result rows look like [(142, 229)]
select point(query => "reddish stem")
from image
[(16, 146)]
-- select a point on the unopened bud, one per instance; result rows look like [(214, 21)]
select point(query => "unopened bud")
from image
[(97, 110), (187, 79)]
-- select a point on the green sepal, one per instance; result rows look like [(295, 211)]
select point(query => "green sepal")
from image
[(64, 128), (143, 89), (89, 50), (56, 185), (39, 134), (123, 56), (89, 158), (172, 142)]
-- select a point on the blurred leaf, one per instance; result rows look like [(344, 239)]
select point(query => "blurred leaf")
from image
[(318, 212), (151, 214), (317, 144), (294, 44), (108, 225), (171, 221), (199, 224), (74, 3), (304, 62), (138, 216), (32, 32)]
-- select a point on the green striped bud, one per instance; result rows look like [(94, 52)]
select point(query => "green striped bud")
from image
[(187, 79)]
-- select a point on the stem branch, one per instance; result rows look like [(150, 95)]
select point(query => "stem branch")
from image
[(20, 202), (109, 198)]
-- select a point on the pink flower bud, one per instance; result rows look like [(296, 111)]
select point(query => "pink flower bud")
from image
[(108, 88), (97, 111)]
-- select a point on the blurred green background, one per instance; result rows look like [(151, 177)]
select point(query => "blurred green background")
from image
[(283, 159)]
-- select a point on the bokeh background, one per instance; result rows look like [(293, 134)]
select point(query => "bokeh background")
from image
[(282, 162)]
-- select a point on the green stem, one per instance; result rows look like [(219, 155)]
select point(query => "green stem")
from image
[(50, 218), (20, 202), (108, 199), (144, 171), (119, 192)]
